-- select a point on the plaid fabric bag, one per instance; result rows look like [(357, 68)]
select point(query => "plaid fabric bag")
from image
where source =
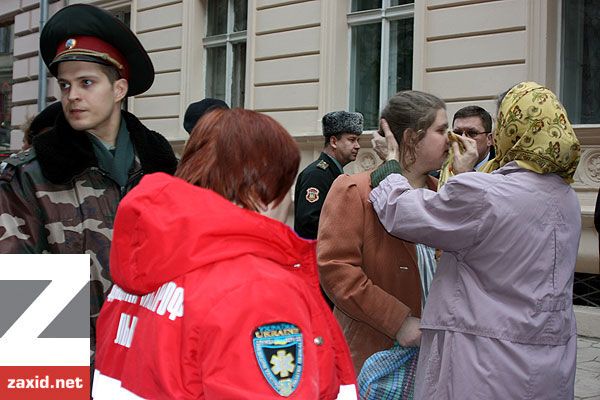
[(389, 374)]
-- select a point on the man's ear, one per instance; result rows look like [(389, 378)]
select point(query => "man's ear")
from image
[(120, 87), (333, 141), (490, 139)]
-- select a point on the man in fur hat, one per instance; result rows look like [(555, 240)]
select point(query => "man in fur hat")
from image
[(341, 130)]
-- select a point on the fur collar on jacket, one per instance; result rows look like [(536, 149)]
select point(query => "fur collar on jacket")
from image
[(64, 152)]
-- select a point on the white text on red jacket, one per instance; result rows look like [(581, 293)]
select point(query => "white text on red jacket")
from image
[(167, 299)]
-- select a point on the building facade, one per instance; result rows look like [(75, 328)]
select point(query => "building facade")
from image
[(296, 60)]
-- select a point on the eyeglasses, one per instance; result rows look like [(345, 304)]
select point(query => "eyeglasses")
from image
[(469, 132)]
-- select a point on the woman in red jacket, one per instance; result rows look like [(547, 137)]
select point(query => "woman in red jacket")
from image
[(213, 300)]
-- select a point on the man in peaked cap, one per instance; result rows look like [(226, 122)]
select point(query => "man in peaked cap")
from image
[(61, 195)]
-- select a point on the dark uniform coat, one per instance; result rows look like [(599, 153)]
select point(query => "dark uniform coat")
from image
[(312, 186), (55, 199)]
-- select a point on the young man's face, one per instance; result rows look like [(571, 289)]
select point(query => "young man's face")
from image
[(88, 98)]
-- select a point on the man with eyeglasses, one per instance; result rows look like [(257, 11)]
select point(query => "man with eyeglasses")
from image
[(476, 123)]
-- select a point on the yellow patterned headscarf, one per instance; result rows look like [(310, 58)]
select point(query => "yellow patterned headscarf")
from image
[(533, 130)]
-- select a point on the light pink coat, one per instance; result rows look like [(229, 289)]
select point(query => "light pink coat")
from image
[(499, 321)]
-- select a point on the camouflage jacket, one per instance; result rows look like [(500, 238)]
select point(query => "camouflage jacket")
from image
[(55, 199)]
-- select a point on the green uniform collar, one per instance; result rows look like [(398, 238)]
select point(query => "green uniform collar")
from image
[(116, 160), (336, 162)]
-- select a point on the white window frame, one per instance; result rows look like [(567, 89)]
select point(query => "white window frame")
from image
[(229, 39), (386, 14)]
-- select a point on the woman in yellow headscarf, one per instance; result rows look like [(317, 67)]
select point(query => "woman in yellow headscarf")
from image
[(499, 321), (533, 130)]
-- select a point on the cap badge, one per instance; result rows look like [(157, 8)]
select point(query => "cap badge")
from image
[(70, 43)]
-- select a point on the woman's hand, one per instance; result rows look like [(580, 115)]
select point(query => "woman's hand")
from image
[(409, 334), (386, 147), (379, 146), (465, 161)]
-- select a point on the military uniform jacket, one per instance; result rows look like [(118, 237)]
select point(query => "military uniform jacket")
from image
[(312, 186), (55, 199)]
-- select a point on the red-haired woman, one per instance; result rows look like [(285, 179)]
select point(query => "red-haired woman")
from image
[(213, 300)]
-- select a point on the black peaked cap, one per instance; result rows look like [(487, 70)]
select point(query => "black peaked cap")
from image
[(87, 20)]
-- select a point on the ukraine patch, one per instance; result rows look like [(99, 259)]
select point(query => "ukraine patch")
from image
[(279, 351)]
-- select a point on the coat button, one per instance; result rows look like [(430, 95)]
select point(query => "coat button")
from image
[(318, 340)]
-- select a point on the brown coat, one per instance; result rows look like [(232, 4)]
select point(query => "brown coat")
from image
[(371, 276)]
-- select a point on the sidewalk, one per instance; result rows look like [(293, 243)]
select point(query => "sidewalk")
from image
[(587, 378)]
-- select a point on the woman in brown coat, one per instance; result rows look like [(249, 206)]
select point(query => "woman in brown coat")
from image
[(376, 280)]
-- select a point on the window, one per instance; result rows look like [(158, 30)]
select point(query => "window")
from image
[(6, 39), (381, 34), (123, 16), (225, 45), (580, 72), (6, 73), (5, 106)]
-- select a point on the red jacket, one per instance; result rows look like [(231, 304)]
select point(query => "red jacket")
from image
[(212, 301)]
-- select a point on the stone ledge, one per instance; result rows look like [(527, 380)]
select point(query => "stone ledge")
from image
[(588, 321)]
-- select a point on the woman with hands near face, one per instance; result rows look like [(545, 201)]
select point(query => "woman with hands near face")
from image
[(499, 321), (378, 282), (462, 158)]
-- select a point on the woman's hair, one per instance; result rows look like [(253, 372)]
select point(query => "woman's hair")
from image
[(414, 110), (245, 156)]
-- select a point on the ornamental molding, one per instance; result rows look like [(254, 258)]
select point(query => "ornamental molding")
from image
[(588, 170), (368, 160)]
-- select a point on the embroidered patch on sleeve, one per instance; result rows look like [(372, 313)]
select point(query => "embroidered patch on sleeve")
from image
[(279, 351), (312, 194)]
